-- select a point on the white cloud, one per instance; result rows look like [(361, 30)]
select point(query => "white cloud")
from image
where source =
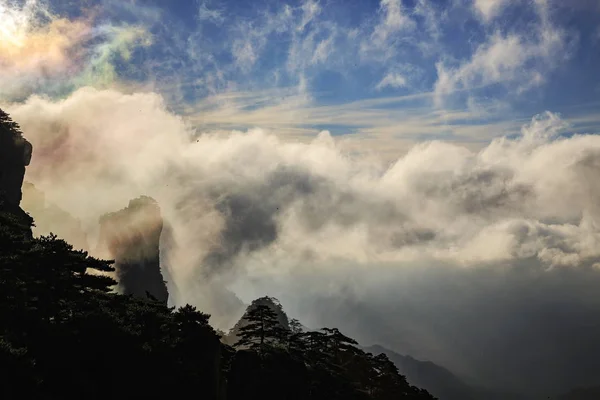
[(433, 18), (210, 14), (393, 20), (311, 222), (518, 59), (460, 196), (510, 58), (251, 36), (489, 9), (323, 50), (497, 60), (392, 80), (310, 9), (244, 53)]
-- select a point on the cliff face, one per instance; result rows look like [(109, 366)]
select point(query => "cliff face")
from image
[(131, 237), (15, 155)]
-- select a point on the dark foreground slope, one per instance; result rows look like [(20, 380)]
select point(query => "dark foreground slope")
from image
[(63, 334)]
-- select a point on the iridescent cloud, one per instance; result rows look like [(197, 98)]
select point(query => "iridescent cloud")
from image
[(44, 52)]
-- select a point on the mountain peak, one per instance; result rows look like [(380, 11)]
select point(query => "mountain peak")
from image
[(270, 302)]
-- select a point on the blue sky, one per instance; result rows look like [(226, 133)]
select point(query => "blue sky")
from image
[(397, 71)]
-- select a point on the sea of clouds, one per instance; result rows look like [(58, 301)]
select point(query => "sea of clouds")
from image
[(484, 261)]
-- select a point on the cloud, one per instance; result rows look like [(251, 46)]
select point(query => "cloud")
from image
[(433, 18), (504, 59), (489, 9), (310, 9), (518, 60), (119, 42), (254, 35), (393, 20), (249, 212), (497, 60), (387, 127), (392, 80), (213, 15), (40, 51), (323, 50), (35, 45)]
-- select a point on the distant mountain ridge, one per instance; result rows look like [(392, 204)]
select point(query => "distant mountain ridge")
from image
[(440, 382), (437, 380)]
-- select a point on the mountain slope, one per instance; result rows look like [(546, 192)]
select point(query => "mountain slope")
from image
[(439, 381)]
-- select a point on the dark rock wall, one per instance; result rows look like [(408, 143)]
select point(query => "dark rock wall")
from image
[(15, 155)]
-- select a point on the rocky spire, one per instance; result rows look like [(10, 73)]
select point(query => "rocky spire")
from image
[(131, 237)]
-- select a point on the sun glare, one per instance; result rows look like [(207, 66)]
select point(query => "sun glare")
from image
[(12, 28)]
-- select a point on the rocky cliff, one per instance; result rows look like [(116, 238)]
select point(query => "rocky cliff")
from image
[(15, 155), (131, 237)]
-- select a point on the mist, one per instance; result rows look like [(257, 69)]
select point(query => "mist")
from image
[(484, 261)]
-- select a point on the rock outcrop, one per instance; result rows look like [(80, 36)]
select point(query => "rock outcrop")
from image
[(131, 237), (15, 155)]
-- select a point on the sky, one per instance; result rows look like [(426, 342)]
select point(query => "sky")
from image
[(421, 174), (392, 72)]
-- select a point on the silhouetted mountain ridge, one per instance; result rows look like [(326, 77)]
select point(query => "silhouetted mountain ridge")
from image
[(438, 380)]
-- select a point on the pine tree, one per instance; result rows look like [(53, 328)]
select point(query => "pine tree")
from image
[(338, 342), (261, 330), (295, 342), (6, 123)]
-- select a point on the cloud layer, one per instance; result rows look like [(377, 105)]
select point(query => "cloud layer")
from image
[(493, 235), (43, 51)]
